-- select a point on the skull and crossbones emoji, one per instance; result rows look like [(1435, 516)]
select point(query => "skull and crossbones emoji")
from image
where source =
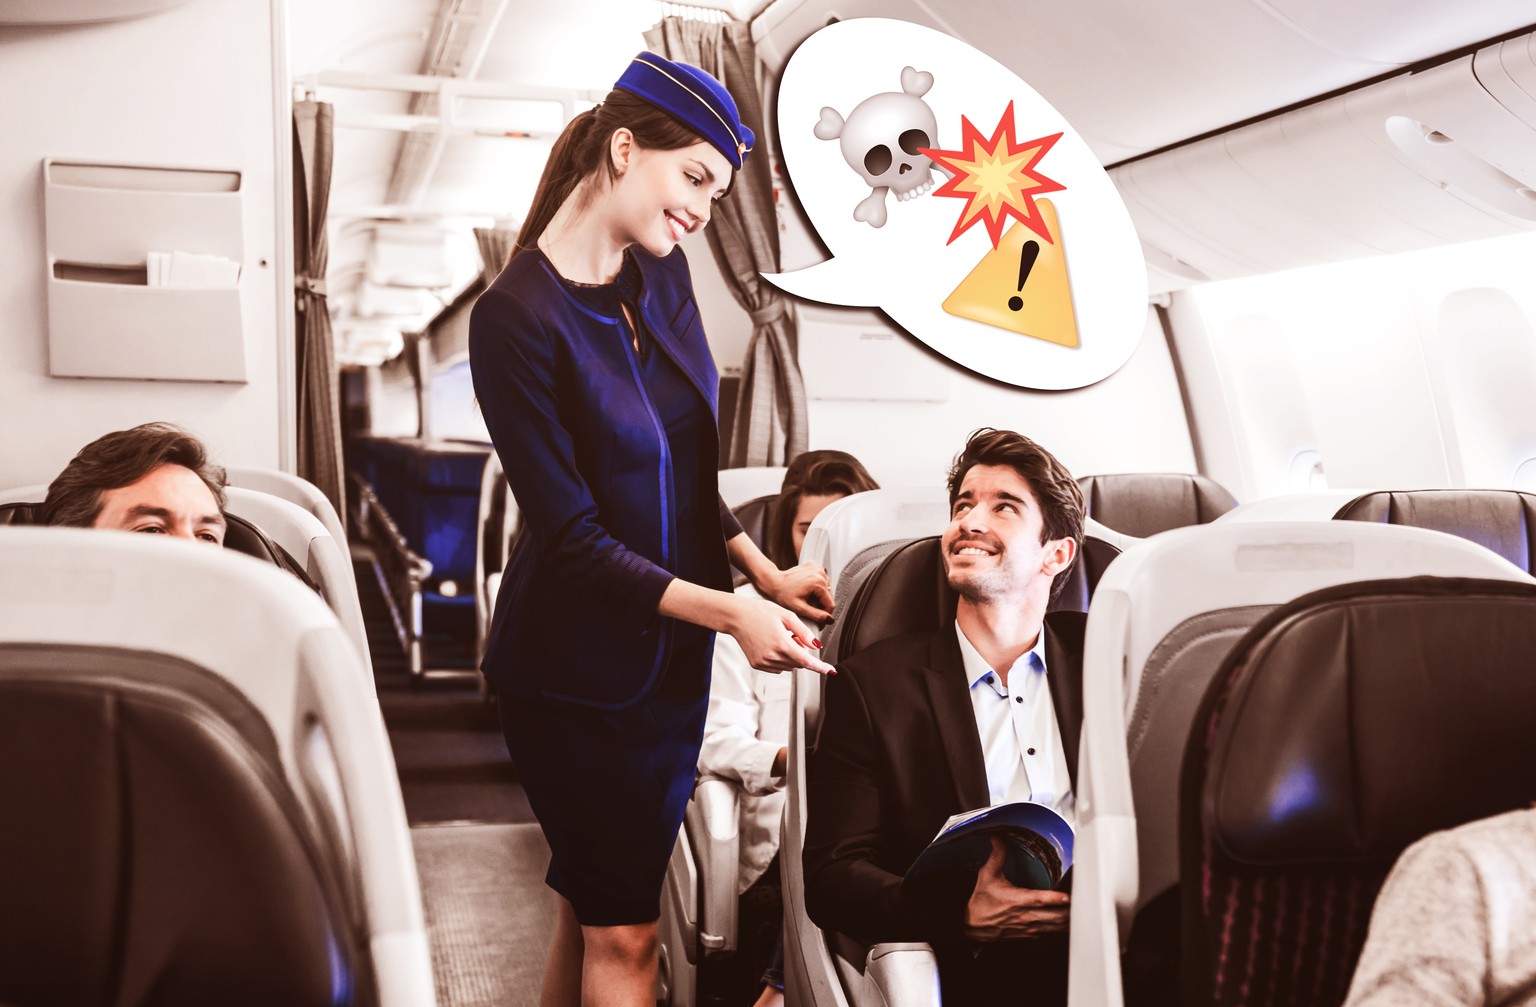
[(881, 139)]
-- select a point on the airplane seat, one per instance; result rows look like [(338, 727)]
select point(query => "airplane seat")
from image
[(294, 490), (1501, 520), (754, 515), (21, 513), (199, 810), (444, 487), (1145, 503), (1313, 505), (699, 897), (167, 786), (846, 527), (1293, 822), (1163, 619), (420, 515), (896, 587), (305, 540), (854, 573), (498, 521), (737, 486), (24, 506)]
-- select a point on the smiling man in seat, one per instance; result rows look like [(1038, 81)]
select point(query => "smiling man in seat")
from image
[(984, 711)]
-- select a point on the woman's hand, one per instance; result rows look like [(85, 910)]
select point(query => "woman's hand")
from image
[(804, 590), (773, 638)]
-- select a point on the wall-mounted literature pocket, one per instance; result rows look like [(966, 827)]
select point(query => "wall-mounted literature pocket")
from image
[(105, 320)]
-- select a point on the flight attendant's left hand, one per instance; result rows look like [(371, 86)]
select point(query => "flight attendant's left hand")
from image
[(803, 589)]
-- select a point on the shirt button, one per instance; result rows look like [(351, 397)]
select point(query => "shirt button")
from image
[(1018, 699), (988, 680), (1031, 751)]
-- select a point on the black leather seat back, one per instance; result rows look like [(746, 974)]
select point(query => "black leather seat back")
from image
[(1342, 727), (754, 516), (153, 852), (1145, 503), (1501, 520), (908, 593), (21, 513)]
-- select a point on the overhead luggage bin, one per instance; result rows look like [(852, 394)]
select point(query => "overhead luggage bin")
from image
[(1425, 158)]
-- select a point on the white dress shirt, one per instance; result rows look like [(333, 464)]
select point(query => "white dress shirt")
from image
[(747, 724), (1020, 739)]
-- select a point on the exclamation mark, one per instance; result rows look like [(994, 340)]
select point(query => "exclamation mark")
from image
[(1027, 257)]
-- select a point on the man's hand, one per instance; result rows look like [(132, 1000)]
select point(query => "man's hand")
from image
[(1000, 911)]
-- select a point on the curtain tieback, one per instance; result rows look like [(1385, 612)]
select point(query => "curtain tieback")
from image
[(310, 285), (771, 312)]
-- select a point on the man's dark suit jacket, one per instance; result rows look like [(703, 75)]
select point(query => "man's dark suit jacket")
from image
[(899, 752)]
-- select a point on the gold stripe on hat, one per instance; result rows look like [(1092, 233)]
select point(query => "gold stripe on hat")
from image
[(741, 148)]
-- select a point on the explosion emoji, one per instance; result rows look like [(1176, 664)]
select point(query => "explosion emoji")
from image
[(997, 178)]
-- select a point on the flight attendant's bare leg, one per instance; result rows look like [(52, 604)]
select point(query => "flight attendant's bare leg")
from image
[(562, 973), (615, 966), (619, 966)]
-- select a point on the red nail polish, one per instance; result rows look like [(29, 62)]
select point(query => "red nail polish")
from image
[(817, 644)]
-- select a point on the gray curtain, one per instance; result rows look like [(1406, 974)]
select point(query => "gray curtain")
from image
[(317, 381), (495, 249), (772, 424)]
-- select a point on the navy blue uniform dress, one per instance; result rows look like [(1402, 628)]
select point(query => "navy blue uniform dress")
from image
[(611, 454)]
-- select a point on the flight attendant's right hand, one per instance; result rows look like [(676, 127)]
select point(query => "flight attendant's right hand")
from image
[(774, 638)]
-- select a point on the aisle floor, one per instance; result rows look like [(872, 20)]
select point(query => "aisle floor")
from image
[(479, 853)]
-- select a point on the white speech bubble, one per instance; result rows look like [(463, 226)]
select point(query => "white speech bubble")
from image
[(905, 267)]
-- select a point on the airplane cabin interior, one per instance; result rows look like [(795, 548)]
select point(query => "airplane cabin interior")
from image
[(273, 772)]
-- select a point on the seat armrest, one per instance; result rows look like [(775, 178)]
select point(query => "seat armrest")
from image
[(894, 974), (712, 825)]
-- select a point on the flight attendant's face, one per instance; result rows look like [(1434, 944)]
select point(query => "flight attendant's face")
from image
[(170, 500), (662, 195)]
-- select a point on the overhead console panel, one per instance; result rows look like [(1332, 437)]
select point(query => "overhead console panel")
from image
[(1443, 155)]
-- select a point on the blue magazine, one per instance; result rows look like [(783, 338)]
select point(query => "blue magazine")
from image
[(1037, 841)]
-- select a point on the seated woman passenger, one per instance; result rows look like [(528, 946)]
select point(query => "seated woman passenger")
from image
[(155, 478), (1455, 922), (747, 726)]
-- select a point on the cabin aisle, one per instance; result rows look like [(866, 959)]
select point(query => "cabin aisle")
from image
[(479, 853)]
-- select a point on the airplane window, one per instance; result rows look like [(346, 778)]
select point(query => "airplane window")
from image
[(1306, 471), (1525, 476)]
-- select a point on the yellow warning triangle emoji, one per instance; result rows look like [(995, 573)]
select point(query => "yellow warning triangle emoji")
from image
[(1022, 285)]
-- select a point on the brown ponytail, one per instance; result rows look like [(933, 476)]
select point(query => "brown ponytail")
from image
[(581, 151)]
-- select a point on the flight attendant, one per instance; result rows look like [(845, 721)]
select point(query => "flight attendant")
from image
[(599, 391)]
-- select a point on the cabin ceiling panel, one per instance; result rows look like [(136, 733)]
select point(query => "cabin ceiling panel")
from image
[(1402, 31), (557, 45), (1133, 77), (1416, 160), (491, 177)]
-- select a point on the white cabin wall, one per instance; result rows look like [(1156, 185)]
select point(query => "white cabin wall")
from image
[(1395, 360), (201, 85), (1132, 421)]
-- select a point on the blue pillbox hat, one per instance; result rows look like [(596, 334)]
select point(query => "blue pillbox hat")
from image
[(692, 96)]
